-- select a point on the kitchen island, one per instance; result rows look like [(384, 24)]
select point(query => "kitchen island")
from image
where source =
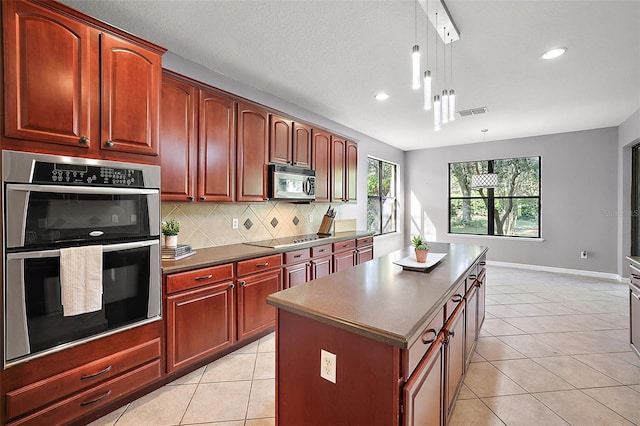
[(376, 344)]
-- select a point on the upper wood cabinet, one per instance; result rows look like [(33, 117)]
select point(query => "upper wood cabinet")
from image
[(321, 163), (72, 88), (301, 145), (197, 142), (351, 171), (280, 133), (130, 80), (338, 150), (252, 153)]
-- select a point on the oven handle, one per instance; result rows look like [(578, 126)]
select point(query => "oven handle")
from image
[(105, 249), (81, 189)]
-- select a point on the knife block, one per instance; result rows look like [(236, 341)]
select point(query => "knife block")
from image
[(325, 226)]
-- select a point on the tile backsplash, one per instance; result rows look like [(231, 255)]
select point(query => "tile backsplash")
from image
[(209, 224)]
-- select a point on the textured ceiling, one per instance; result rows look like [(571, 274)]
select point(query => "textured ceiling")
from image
[(331, 57)]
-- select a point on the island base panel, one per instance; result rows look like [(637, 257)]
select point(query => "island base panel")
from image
[(367, 388)]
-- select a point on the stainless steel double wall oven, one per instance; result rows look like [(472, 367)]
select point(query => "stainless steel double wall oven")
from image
[(54, 202)]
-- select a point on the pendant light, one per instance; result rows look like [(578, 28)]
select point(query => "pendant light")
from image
[(427, 74), (452, 93), (415, 56), (436, 112), (484, 180)]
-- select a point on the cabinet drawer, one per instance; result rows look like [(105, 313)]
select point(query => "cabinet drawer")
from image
[(199, 277), (344, 246), (79, 405), (322, 250), (455, 299), (297, 256), (420, 347), (29, 397), (259, 264), (366, 241)]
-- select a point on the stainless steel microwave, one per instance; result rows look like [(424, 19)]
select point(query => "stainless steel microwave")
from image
[(291, 183)]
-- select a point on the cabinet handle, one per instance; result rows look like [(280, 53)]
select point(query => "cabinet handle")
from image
[(457, 298), (473, 277), (99, 373), (428, 341), (345, 245), (483, 263), (109, 143), (231, 286), (635, 276), (84, 140), (297, 256), (322, 251), (452, 333), (243, 283), (204, 278), (262, 265), (93, 401), (191, 197), (202, 198)]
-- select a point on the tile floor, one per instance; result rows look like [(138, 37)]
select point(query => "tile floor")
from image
[(553, 351)]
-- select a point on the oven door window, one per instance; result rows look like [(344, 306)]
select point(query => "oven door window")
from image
[(125, 297)]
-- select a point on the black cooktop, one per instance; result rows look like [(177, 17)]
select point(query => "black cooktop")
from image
[(287, 241)]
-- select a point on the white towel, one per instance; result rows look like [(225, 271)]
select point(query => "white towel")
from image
[(81, 279)]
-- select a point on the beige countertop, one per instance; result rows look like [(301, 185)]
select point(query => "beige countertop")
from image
[(212, 256), (379, 299)]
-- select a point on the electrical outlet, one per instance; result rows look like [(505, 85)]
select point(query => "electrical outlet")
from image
[(114, 218), (310, 218), (328, 366), (583, 255), (234, 223)]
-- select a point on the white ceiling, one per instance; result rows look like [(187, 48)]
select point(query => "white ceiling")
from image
[(331, 57)]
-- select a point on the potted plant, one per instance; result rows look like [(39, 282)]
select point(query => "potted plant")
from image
[(421, 247), (170, 229)]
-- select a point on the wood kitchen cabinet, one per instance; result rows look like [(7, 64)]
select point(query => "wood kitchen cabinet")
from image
[(252, 153), (297, 269), (351, 172), (197, 135), (344, 255), (634, 309), (364, 250), (338, 179), (455, 339), (200, 314), (108, 104), (257, 279), (301, 145), (321, 163), (321, 261), (471, 320), (289, 142)]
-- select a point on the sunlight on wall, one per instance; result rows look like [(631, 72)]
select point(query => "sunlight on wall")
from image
[(420, 221)]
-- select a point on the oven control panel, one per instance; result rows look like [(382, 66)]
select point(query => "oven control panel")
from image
[(75, 174)]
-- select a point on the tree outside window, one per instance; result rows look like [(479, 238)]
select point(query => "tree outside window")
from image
[(510, 209), (381, 197)]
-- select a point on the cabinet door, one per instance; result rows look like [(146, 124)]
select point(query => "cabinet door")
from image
[(216, 147), (321, 267), (351, 171), (178, 143), (481, 283), (253, 152), (301, 145), (424, 391), (131, 78), (199, 323), (296, 274), (48, 76), (254, 315), (337, 169), (454, 356), (321, 163), (471, 321), (634, 314), (280, 140), (364, 254), (342, 261)]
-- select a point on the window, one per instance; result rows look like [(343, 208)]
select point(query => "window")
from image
[(381, 197), (512, 208)]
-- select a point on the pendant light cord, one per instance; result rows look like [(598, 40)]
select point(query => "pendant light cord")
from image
[(415, 26)]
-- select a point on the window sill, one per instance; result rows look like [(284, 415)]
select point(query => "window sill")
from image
[(498, 237)]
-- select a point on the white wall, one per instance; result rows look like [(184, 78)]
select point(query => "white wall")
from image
[(628, 136), (366, 145), (578, 197)]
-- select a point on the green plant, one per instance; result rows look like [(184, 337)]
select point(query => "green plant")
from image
[(171, 227), (419, 243)]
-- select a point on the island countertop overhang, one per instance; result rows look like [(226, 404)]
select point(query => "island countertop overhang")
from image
[(379, 299)]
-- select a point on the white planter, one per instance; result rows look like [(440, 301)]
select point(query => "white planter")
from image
[(171, 241)]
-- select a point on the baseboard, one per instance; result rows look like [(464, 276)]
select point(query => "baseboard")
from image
[(592, 274)]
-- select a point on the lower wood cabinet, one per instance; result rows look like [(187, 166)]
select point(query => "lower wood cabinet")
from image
[(471, 321), (344, 255), (200, 323), (321, 267), (454, 331), (364, 250), (423, 393), (297, 274), (634, 310)]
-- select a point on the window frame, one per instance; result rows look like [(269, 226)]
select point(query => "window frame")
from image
[(491, 199), (381, 198)]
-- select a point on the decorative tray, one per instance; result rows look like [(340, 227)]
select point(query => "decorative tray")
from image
[(411, 264)]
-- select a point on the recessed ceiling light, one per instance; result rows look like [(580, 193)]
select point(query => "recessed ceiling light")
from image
[(554, 53), (381, 96)]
